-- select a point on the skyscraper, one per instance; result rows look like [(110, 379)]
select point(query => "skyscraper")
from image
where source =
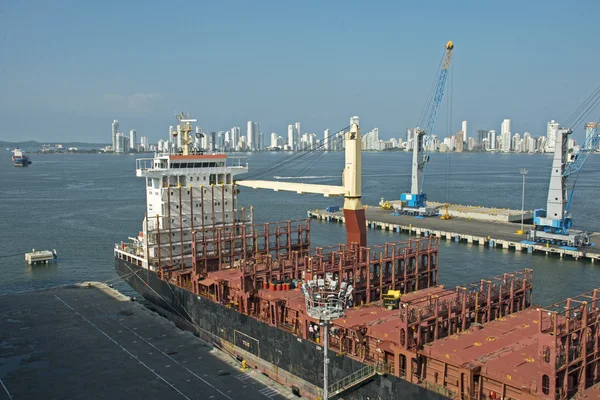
[(460, 141), (464, 131), (132, 139), (326, 139), (119, 142), (354, 120), (590, 129), (505, 135), (481, 134), (144, 143), (115, 130), (492, 140), (551, 132), (297, 133), (505, 126), (290, 139), (250, 136), (235, 138)]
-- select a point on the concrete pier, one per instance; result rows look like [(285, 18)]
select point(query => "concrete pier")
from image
[(488, 214), (88, 341), (476, 232)]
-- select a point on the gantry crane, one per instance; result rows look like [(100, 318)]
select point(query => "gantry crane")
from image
[(415, 202), (553, 224)]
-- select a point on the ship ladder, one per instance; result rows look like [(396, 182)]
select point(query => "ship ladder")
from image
[(355, 378)]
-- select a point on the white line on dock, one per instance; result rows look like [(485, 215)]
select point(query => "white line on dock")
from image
[(6, 390), (162, 352), (122, 348)]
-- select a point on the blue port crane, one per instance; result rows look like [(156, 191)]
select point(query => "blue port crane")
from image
[(553, 224), (415, 202)]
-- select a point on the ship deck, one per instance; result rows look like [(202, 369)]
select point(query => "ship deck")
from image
[(94, 343), (504, 349)]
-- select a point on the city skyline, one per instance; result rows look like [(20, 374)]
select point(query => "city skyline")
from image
[(126, 73), (296, 140)]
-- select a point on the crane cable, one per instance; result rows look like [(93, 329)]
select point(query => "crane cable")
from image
[(319, 157), (449, 112), (292, 159), (584, 109), (427, 110)]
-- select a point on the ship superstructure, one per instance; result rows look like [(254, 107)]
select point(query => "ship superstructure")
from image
[(187, 190)]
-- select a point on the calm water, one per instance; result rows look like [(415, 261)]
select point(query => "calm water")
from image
[(82, 204)]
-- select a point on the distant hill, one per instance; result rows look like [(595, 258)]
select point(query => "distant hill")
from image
[(34, 144)]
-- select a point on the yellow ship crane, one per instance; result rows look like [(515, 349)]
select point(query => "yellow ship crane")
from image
[(185, 126)]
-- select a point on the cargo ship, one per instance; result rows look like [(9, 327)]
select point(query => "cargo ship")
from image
[(19, 159), (201, 257)]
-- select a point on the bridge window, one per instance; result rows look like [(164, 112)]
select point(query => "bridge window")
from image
[(545, 384)]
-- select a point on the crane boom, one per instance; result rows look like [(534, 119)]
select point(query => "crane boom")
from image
[(439, 90), (415, 202), (591, 142)]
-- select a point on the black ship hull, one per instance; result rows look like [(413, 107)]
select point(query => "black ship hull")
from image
[(280, 355)]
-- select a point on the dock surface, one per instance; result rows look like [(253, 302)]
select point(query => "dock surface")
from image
[(91, 342), (483, 233)]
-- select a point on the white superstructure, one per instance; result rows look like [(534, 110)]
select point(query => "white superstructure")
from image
[(186, 191)]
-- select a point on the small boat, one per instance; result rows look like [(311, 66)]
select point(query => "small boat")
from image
[(19, 159)]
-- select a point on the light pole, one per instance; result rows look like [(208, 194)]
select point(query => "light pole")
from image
[(325, 302), (523, 173)]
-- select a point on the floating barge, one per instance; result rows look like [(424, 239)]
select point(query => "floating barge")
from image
[(40, 256), (201, 258)]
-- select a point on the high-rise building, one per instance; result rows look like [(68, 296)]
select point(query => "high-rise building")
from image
[(590, 129), (505, 136), (326, 140), (460, 141), (235, 138), (251, 136), (505, 126), (144, 143), (471, 145), (115, 130), (481, 135), (354, 120), (132, 139), (516, 143), (410, 134), (492, 140), (464, 131), (119, 143), (261, 141), (290, 138), (297, 132), (551, 132)]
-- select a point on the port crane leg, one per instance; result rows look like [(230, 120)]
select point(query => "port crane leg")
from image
[(354, 211)]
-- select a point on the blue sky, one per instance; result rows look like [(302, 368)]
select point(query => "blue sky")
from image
[(68, 68)]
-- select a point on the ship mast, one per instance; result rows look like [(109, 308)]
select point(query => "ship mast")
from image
[(185, 126)]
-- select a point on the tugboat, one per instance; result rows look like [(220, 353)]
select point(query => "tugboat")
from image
[(19, 159)]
